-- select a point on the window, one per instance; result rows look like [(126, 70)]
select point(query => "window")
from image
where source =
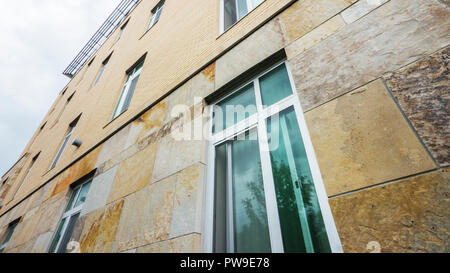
[(26, 174), (156, 13), (128, 90), (3, 184), (70, 217), (265, 189), (8, 235), (102, 69), (65, 107), (122, 29), (42, 127), (64, 143), (233, 11)]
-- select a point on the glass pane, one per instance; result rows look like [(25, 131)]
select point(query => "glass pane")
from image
[(220, 224), (302, 225), (83, 193), (57, 236), (68, 233), (130, 93), (229, 13), (72, 199), (243, 10), (255, 3), (9, 234), (61, 150), (237, 107), (121, 101), (275, 86), (251, 230)]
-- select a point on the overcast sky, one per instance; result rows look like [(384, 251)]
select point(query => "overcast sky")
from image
[(38, 40)]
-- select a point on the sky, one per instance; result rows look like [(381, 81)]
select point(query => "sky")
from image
[(38, 40)]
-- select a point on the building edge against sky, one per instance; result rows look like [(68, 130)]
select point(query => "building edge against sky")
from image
[(361, 93)]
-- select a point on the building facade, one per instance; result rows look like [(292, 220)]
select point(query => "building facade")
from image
[(245, 126)]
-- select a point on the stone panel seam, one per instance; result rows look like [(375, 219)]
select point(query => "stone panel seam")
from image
[(397, 180), (411, 126)]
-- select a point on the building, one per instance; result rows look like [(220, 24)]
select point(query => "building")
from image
[(340, 143)]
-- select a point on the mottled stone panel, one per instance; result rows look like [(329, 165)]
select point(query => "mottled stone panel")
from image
[(315, 36), (186, 244), (99, 191), (396, 34), (303, 16), (100, 229), (176, 155), (186, 216), (423, 91), (360, 9), (146, 216), (260, 45), (42, 243), (362, 139), (133, 174), (113, 146), (407, 216)]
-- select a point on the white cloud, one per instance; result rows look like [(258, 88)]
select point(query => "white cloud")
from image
[(38, 39)]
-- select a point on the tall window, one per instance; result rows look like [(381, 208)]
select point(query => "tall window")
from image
[(233, 11), (65, 107), (122, 29), (128, 90), (64, 143), (26, 174), (265, 191), (102, 69), (70, 217), (156, 13), (9, 233)]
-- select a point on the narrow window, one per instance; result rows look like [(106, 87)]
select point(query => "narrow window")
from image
[(43, 126), (234, 10), (156, 13), (64, 143), (266, 192), (3, 184), (128, 90), (65, 107), (26, 174), (102, 69), (70, 217), (8, 235), (122, 29)]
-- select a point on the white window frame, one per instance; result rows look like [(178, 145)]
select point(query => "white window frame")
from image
[(9, 232), (33, 161), (250, 8), (62, 147), (102, 69), (156, 14), (258, 121), (69, 214), (119, 109)]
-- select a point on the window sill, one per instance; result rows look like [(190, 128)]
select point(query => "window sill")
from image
[(235, 23), (148, 30), (114, 119)]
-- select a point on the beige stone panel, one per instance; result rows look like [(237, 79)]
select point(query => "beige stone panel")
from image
[(407, 216), (362, 139), (360, 9), (315, 36), (304, 16), (113, 146), (260, 45), (146, 216), (176, 155), (186, 244), (24, 248), (100, 229), (42, 243), (186, 217), (133, 174)]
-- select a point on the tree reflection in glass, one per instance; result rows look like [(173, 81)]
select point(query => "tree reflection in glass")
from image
[(301, 220)]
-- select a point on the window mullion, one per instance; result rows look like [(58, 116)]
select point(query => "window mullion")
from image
[(230, 211)]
